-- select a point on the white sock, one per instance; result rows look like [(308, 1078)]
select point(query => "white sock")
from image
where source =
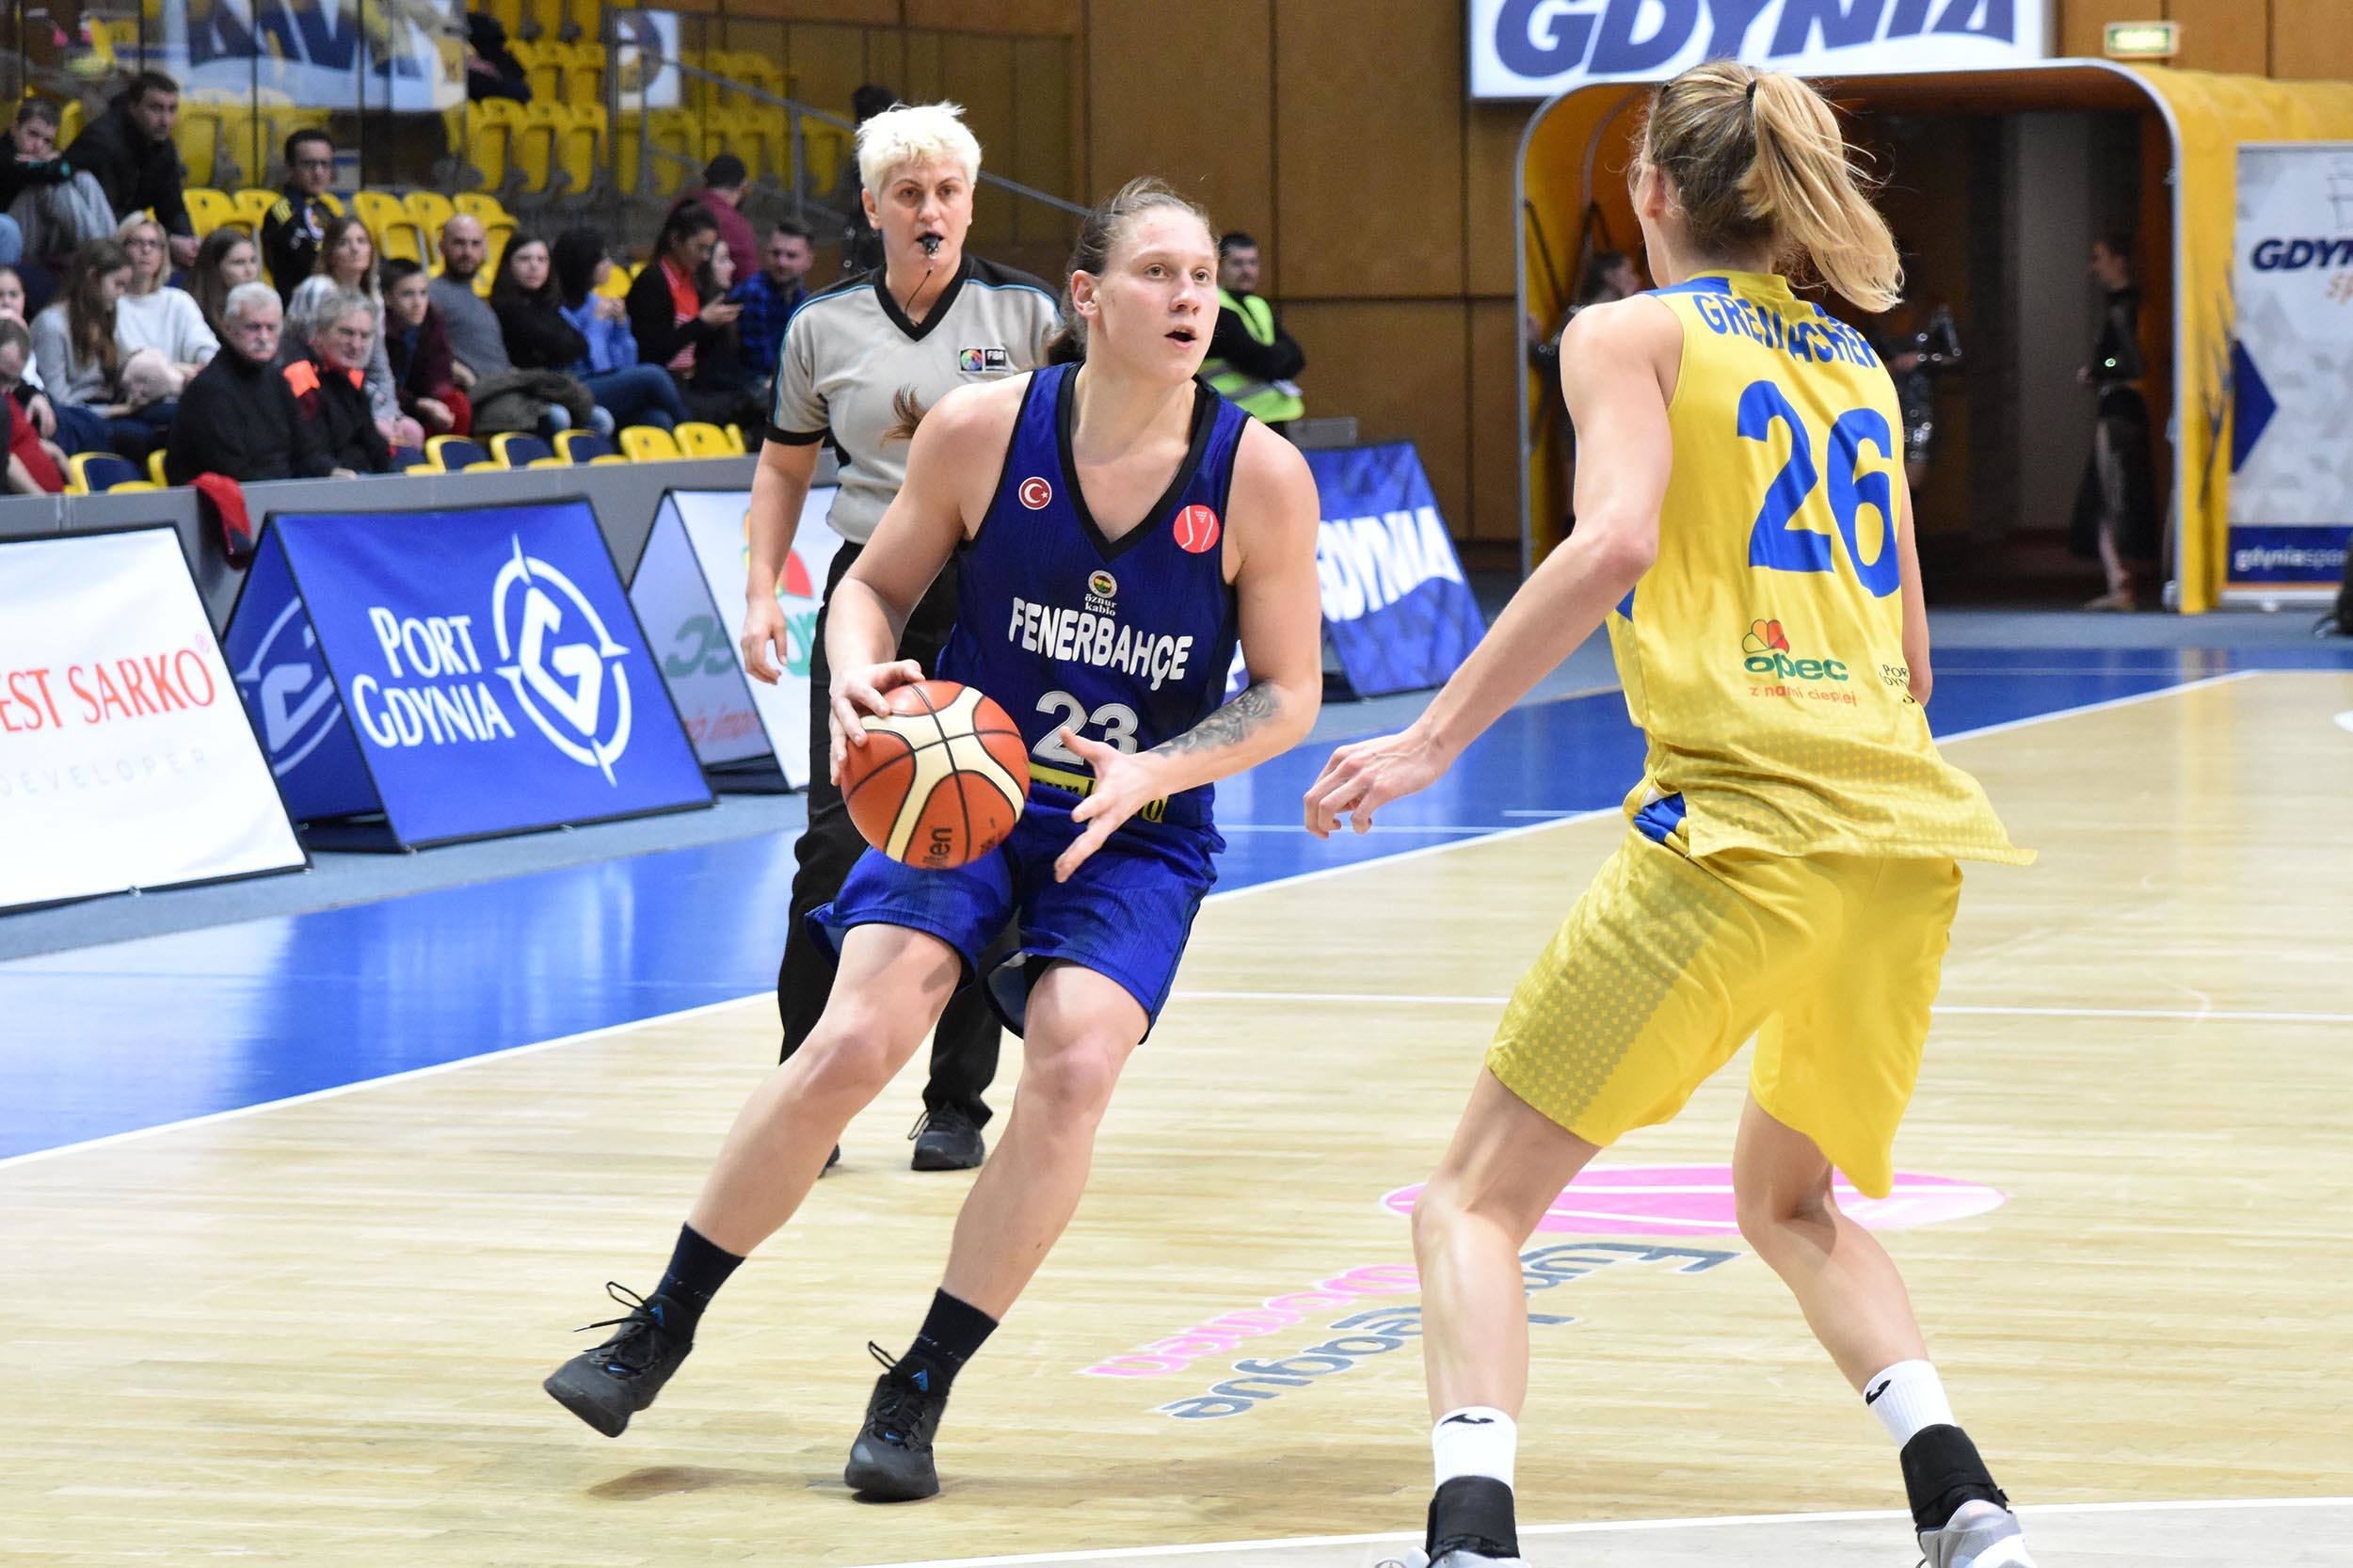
[(1476, 1440), (1906, 1397)]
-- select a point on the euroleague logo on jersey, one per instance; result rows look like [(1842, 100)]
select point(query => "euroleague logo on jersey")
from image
[(1036, 494), (1198, 530)]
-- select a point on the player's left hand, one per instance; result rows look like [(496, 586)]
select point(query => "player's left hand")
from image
[(1361, 778), (1125, 783)]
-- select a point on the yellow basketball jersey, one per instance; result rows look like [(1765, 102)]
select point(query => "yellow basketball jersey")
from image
[(1762, 653)]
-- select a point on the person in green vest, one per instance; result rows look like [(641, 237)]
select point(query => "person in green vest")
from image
[(1252, 360)]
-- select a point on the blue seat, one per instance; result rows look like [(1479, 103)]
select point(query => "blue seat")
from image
[(514, 449), (96, 473), (456, 454), (584, 446)]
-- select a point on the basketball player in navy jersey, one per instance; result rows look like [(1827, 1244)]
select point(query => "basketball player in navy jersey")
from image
[(1119, 525)]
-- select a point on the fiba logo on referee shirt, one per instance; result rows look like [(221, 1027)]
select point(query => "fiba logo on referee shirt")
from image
[(561, 685), (979, 362), (287, 689)]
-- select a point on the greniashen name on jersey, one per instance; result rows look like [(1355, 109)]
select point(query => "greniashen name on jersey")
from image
[(1080, 636)]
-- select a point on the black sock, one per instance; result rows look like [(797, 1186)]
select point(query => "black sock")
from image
[(697, 1268), (951, 1332), (1472, 1513), (1941, 1471)]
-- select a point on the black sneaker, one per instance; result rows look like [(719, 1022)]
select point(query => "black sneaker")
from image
[(947, 1141), (832, 1160), (607, 1386), (892, 1460)]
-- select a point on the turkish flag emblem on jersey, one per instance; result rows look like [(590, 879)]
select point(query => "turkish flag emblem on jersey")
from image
[(1197, 529)]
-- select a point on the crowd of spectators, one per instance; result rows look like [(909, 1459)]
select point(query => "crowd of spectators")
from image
[(123, 331)]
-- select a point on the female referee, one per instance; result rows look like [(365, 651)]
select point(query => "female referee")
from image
[(1790, 870), (1124, 491)]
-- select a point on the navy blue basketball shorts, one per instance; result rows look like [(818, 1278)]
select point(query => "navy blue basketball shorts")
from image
[(1126, 914)]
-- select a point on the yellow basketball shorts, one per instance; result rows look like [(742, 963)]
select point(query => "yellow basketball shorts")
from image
[(1668, 964)]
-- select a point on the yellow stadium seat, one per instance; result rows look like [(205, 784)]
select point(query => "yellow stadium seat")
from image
[(388, 218), (542, 19), (508, 12), (617, 282), (155, 468), (242, 154), (584, 77), (583, 19), (824, 149), (493, 126), (697, 440), (96, 473), (735, 439), (542, 68), (535, 148), (643, 443), (210, 209), (580, 147), (674, 133), (478, 204), (428, 210), (252, 206), (197, 135)]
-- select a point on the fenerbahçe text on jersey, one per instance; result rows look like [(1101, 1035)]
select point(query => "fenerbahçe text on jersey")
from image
[(1763, 653), (1127, 641)]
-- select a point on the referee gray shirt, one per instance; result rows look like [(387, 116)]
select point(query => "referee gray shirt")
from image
[(850, 353)]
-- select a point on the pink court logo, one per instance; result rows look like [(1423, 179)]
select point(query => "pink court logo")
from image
[(1696, 1201)]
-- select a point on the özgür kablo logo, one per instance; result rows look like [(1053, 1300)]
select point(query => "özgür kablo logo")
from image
[(1768, 651), (561, 685)]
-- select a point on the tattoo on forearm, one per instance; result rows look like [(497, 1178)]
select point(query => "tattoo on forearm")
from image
[(1229, 724)]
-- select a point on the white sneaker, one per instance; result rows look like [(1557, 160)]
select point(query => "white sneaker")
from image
[(1981, 1534), (1420, 1559)]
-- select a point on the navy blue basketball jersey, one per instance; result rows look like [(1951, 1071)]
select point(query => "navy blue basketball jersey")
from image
[(1125, 641)]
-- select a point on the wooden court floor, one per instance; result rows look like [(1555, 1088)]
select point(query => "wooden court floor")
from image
[(314, 1334)]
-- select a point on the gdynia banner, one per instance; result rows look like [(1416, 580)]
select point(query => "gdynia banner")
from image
[(125, 758), (1537, 48)]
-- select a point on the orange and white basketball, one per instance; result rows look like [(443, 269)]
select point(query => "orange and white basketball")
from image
[(941, 778)]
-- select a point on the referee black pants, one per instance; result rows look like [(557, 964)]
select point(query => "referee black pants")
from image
[(964, 1046)]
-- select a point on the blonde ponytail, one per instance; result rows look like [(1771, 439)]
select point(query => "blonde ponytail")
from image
[(1756, 162), (1803, 184)]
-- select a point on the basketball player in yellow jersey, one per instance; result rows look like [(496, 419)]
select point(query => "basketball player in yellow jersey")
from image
[(1743, 525)]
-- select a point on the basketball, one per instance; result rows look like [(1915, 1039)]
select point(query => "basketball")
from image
[(941, 778)]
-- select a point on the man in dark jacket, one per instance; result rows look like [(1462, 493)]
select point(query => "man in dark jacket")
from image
[(291, 233), (1251, 360), (330, 386), (237, 416), (129, 149)]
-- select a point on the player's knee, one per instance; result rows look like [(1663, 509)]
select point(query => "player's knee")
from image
[(1074, 1084), (1436, 1212), (1769, 1210), (849, 1056)]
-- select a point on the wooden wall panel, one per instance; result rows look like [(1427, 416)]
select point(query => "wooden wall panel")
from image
[(2311, 38), (885, 62), (1046, 18), (1200, 115), (1496, 370), (2229, 35), (980, 76), (1490, 159), (827, 63), (1369, 167), (924, 78), (874, 13), (1403, 368), (1041, 151), (2082, 21)]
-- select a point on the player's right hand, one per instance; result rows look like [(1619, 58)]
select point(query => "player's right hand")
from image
[(764, 627), (860, 692)]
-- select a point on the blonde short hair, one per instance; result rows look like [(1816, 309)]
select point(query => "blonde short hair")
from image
[(915, 133)]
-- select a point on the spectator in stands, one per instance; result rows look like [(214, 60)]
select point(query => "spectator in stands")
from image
[(151, 314), (1251, 360), (504, 398), (347, 260), (530, 317), (226, 258), (721, 391), (632, 393), (11, 293), (861, 241), (491, 69), (417, 344), (2116, 505), (667, 313), (721, 196), (239, 417), (472, 325), (330, 383), (54, 205), (35, 466), (26, 385), (769, 295), (104, 401), (129, 150), (297, 227)]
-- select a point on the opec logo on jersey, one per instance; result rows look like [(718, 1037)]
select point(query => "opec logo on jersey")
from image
[(1767, 656), (1536, 48)]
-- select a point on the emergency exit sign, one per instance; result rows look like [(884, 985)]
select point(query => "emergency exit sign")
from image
[(2143, 41)]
